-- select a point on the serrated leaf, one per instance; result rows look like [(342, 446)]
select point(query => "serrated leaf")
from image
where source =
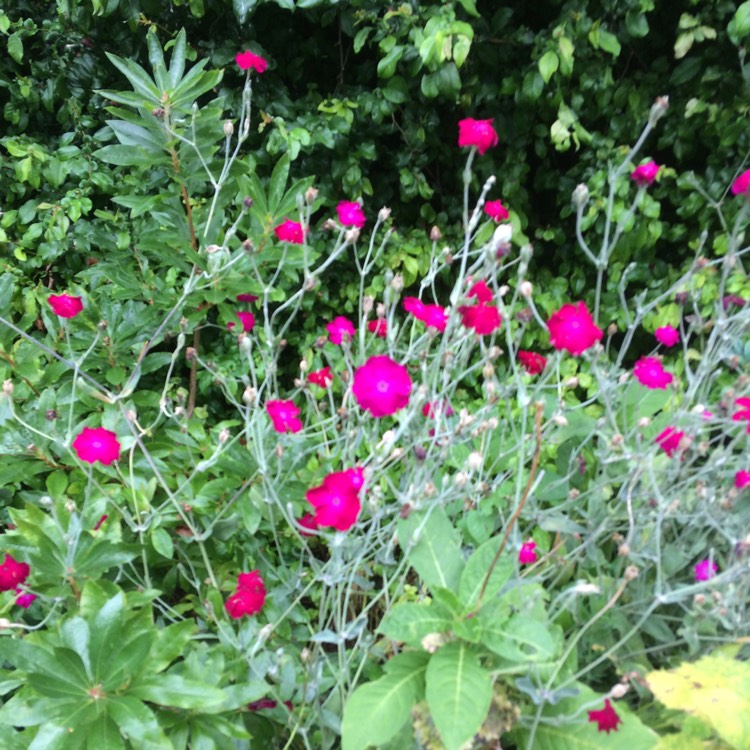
[(458, 692)]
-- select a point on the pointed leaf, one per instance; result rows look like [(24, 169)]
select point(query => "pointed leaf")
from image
[(138, 723), (129, 661), (156, 58), (106, 633), (103, 734), (177, 62), (75, 632), (137, 77), (174, 690), (520, 639), (410, 622), (277, 185), (476, 569)]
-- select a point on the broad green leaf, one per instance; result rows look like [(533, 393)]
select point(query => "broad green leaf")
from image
[(129, 661), (126, 156), (411, 622), (162, 543), (477, 568), (520, 639), (105, 631), (177, 61), (176, 691), (376, 711), (548, 64), (36, 660), (138, 723), (15, 47), (103, 734), (459, 693), (134, 135), (739, 26), (75, 635), (436, 552), (170, 642), (470, 6)]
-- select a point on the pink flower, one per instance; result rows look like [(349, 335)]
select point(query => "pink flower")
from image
[(249, 597), (496, 210), (308, 522), (382, 386), (649, 371), (705, 570), (12, 573), (336, 501), (669, 440), (667, 335), (744, 413), (351, 214), (606, 719), (741, 185), (65, 305), (479, 133), (645, 174), (526, 554), (379, 327), (434, 408), (97, 444), (322, 377), (732, 299), (246, 297), (284, 416), (248, 321), (24, 599), (247, 60), (572, 328), (484, 319), (291, 231), (339, 328), (481, 291), (431, 315), (742, 479), (532, 362)]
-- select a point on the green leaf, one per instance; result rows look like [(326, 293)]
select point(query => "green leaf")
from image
[(141, 82), (103, 734), (739, 26), (376, 711), (476, 569), (520, 639), (177, 62), (15, 47), (76, 636), (608, 42), (156, 58), (129, 661), (277, 184), (387, 65), (548, 64), (470, 6), (162, 543), (411, 622), (138, 723), (105, 630), (176, 691), (436, 553), (459, 693)]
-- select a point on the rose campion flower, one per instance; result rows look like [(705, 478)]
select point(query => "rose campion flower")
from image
[(12, 573), (742, 479), (645, 174), (24, 599), (322, 377), (667, 335), (65, 305), (97, 444), (572, 328), (606, 719), (732, 300), (532, 362), (669, 440), (308, 522), (291, 231), (382, 386), (650, 372), (741, 184), (479, 133), (434, 408), (248, 321), (527, 554), (247, 297), (431, 315), (336, 501), (481, 291), (247, 60), (249, 597), (339, 328), (496, 210), (744, 413), (284, 415), (379, 327), (483, 319), (705, 570), (351, 214)]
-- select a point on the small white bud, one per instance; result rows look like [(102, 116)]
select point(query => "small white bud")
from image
[(475, 460), (526, 289)]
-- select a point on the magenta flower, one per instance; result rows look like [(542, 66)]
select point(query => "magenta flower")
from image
[(382, 386), (431, 315), (496, 210), (308, 522), (434, 408), (378, 326), (483, 319), (742, 479), (336, 501), (572, 328), (351, 214), (481, 291), (291, 231), (645, 174), (669, 440), (705, 570), (247, 60), (526, 554), (741, 184), (606, 719), (24, 599), (284, 415), (97, 444), (322, 377), (479, 133), (532, 362), (340, 329), (247, 319), (65, 305), (249, 597), (246, 297), (667, 335), (732, 300), (649, 371), (12, 573), (744, 413)]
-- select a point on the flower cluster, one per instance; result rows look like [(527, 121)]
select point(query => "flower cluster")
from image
[(433, 316), (249, 596), (336, 501), (12, 575)]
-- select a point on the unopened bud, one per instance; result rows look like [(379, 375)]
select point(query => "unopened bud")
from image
[(616, 441), (309, 284), (494, 352), (572, 382), (435, 234), (619, 690), (224, 435), (460, 479), (247, 202), (70, 506), (525, 289), (611, 329), (228, 128), (644, 422), (4, 623), (311, 195), (580, 196), (352, 235), (488, 370), (249, 396), (303, 365), (279, 451), (211, 249), (367, 304), (699, 599), (631, 572), (475, 460), (623, 550), (8, 387), (560, 420), (383, 214), (658, 110)]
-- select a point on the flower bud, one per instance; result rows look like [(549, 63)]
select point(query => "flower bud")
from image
[(658, 110), (619, 690), (351, 235), (367, 304), (70, 506), (8, 387), (247, 202), (383, 214), (631, 572), (560, 420), (311, 195), (224, 435), (397, 283), (525, 289), (580, 196), (228, 128), (4, 623), (303, 365), (435, 234), (475, 460), (611, 329), (460, 479), (488, 370), (249, 396), (211, 249)]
